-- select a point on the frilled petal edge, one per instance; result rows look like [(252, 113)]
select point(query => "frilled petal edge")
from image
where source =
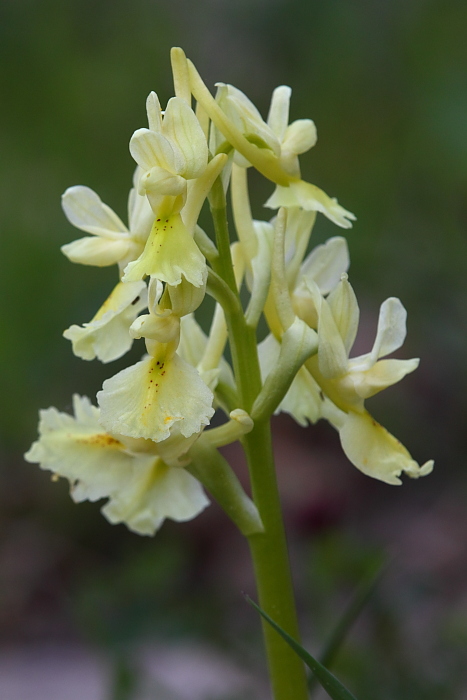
[(145, 400)]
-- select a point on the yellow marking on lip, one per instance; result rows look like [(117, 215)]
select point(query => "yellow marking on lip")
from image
[(100, 440)]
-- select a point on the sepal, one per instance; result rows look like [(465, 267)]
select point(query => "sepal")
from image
[(97, 251), (303, 194), (107, 336), (85, 210)]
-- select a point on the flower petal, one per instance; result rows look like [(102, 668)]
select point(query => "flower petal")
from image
[(140, 215), (154, 112), (185, 297), (304, 194), (326, 263), (377, 453), (85, 210), (157, 491), (297, 235), (344, 306), (150, 149), (182, 127), (383, 374), (243, 113), (392, 328), (170, 252), (159, 181), (278, 116), (145, 400), (107, 336), (97, 251), (299, 137), (78, 449), (332, 355)]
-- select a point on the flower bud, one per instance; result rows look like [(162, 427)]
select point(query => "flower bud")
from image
[(160, 181), (185, 297)]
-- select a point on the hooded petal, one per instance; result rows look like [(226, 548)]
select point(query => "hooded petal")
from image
[(332, 355), (182, 127), (145, 400), (344, 306), (377, 453), (107, 336), (243, 113), (150, 149), (159, 181), (85, 210)]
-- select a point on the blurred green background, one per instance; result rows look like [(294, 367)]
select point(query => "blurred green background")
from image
[(386, 84)]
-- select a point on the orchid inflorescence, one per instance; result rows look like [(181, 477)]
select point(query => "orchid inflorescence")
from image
[(147, 447)]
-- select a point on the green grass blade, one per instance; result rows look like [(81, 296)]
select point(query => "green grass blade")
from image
[(329, 682), (358, 601)]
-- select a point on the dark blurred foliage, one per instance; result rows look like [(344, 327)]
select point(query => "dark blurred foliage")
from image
[(386, 85)]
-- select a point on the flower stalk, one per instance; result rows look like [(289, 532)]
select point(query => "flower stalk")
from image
[(268, 548)]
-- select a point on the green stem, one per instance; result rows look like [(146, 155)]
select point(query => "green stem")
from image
[(268, 549), (272, 569)]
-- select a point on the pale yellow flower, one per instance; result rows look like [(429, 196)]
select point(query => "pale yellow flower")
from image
[(147, 399), (371, 448), (347, 382), (270, 148), (172, 151), (322, 269), (107, 335), (172, 155), (142, 489), (111, 241)]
